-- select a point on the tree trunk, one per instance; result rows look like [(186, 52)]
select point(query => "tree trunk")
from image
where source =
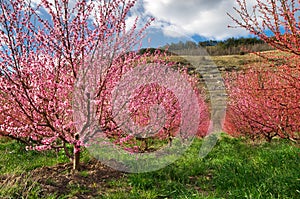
[(170, 141), (76, 158)]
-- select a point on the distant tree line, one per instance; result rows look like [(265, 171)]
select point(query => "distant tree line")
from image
[(230, 42), (226, 47)]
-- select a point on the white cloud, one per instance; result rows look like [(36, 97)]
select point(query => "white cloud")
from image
[(175, 18), (206, 18)]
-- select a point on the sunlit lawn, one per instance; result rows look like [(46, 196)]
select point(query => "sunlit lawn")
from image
[(235, 168)]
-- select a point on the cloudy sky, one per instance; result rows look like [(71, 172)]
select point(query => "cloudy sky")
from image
[(179, 20), (190, 19)]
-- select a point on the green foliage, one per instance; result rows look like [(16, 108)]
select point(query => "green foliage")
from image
[(152, 51), (230, 46)]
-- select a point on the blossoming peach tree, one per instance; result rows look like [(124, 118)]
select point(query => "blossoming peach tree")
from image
[(60, 57), (265, 98)]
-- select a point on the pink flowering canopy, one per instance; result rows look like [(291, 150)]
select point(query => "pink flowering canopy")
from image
[(264, 100), (43, 48), (151, 100), (62, 71)]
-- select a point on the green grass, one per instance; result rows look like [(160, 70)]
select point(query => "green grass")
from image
[(235, 168), (14, 159)]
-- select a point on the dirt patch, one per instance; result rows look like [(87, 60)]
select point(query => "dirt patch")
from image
[(89, 182)]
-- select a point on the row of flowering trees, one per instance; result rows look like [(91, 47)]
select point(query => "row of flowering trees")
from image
[(264, 103), (265, 98), (62, 60), (45, 48), (59, 64)]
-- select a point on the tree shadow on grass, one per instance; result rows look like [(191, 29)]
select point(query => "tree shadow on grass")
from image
[(59, 181)]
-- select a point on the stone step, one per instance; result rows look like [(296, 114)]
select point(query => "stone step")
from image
[(212, 78)]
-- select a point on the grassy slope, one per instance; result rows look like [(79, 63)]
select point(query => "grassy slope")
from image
[(234, 60), (225, 60), (234, 169)]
